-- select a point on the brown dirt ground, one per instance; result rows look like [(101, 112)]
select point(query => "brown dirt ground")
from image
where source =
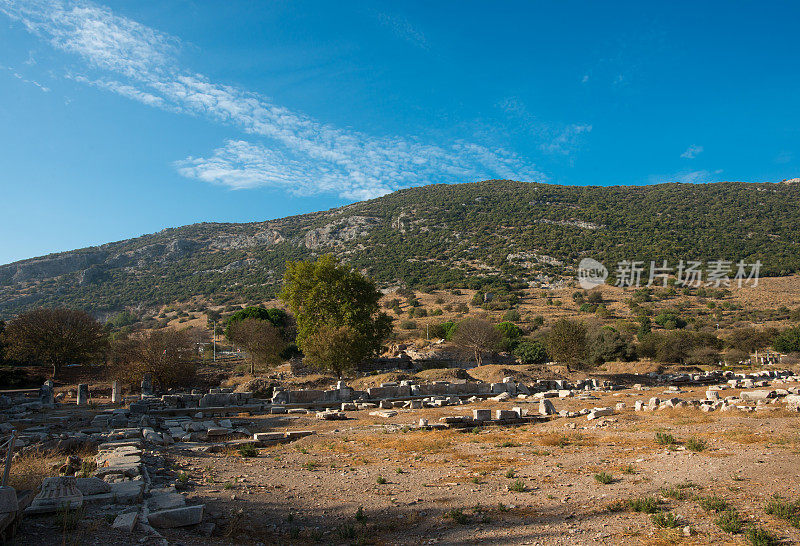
[(452, 487)]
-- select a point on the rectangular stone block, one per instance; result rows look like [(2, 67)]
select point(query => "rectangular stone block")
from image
[(176, 517)]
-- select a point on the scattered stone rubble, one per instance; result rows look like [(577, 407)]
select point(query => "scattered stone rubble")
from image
[(763, 397), (126, 477)]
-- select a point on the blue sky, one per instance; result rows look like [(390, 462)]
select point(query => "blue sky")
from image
[(122, 118)]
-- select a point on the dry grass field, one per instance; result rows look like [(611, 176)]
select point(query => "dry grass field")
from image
[(616, 480)]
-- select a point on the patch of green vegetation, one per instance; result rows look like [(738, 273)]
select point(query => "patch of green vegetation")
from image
[(248, 450), (676, 493), (713, 503), (182, 481), (517, 486), (695, 444), (381, 480), (758, 536), (784, 509), (730, 521), (604, 477), (646, 505), (665, 520), (664, 439), (457, 515)]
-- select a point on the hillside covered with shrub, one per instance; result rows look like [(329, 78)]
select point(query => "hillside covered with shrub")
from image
[(461, 235)]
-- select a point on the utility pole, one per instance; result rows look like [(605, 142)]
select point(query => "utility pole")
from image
[(215, 341)]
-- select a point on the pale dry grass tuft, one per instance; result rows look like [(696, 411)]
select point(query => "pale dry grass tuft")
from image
[(28, 471)]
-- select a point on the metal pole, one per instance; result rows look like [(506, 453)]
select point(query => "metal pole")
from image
[(9, 455)]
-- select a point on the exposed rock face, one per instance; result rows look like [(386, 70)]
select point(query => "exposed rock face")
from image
[(266, 237), (339, 232), (50, 266)]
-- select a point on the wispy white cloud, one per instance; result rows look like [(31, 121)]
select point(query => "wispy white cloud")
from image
[(20, 77), (553, 139), (687, 177), (783, 157), (692, 151), (402, 28), (294, 152), (127, 91)]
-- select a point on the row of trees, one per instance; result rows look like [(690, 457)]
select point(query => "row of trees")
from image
[(336, 322), (60, 337), (582, 345)]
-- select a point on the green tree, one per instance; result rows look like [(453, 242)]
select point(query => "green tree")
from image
[(670, 321), (212, 318), (509, 330), (566, 342), (122, 319), (788, 341), (444, 330), (675, 347), (680, 346), (55, 337), (531, 352), (277, 317), (334, 303), (644, 327), (607, 344), (510, 334), (748, 339), (330, 349)]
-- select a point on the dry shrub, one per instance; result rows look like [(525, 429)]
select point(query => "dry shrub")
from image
[(28, 471), (169, 355)]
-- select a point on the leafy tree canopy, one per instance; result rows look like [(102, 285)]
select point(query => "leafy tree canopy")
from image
[(333, 302), (788, 341), (531, 352), (54, 337), (278, 317)]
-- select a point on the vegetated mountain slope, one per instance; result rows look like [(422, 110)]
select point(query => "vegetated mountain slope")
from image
[(452, 235)]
